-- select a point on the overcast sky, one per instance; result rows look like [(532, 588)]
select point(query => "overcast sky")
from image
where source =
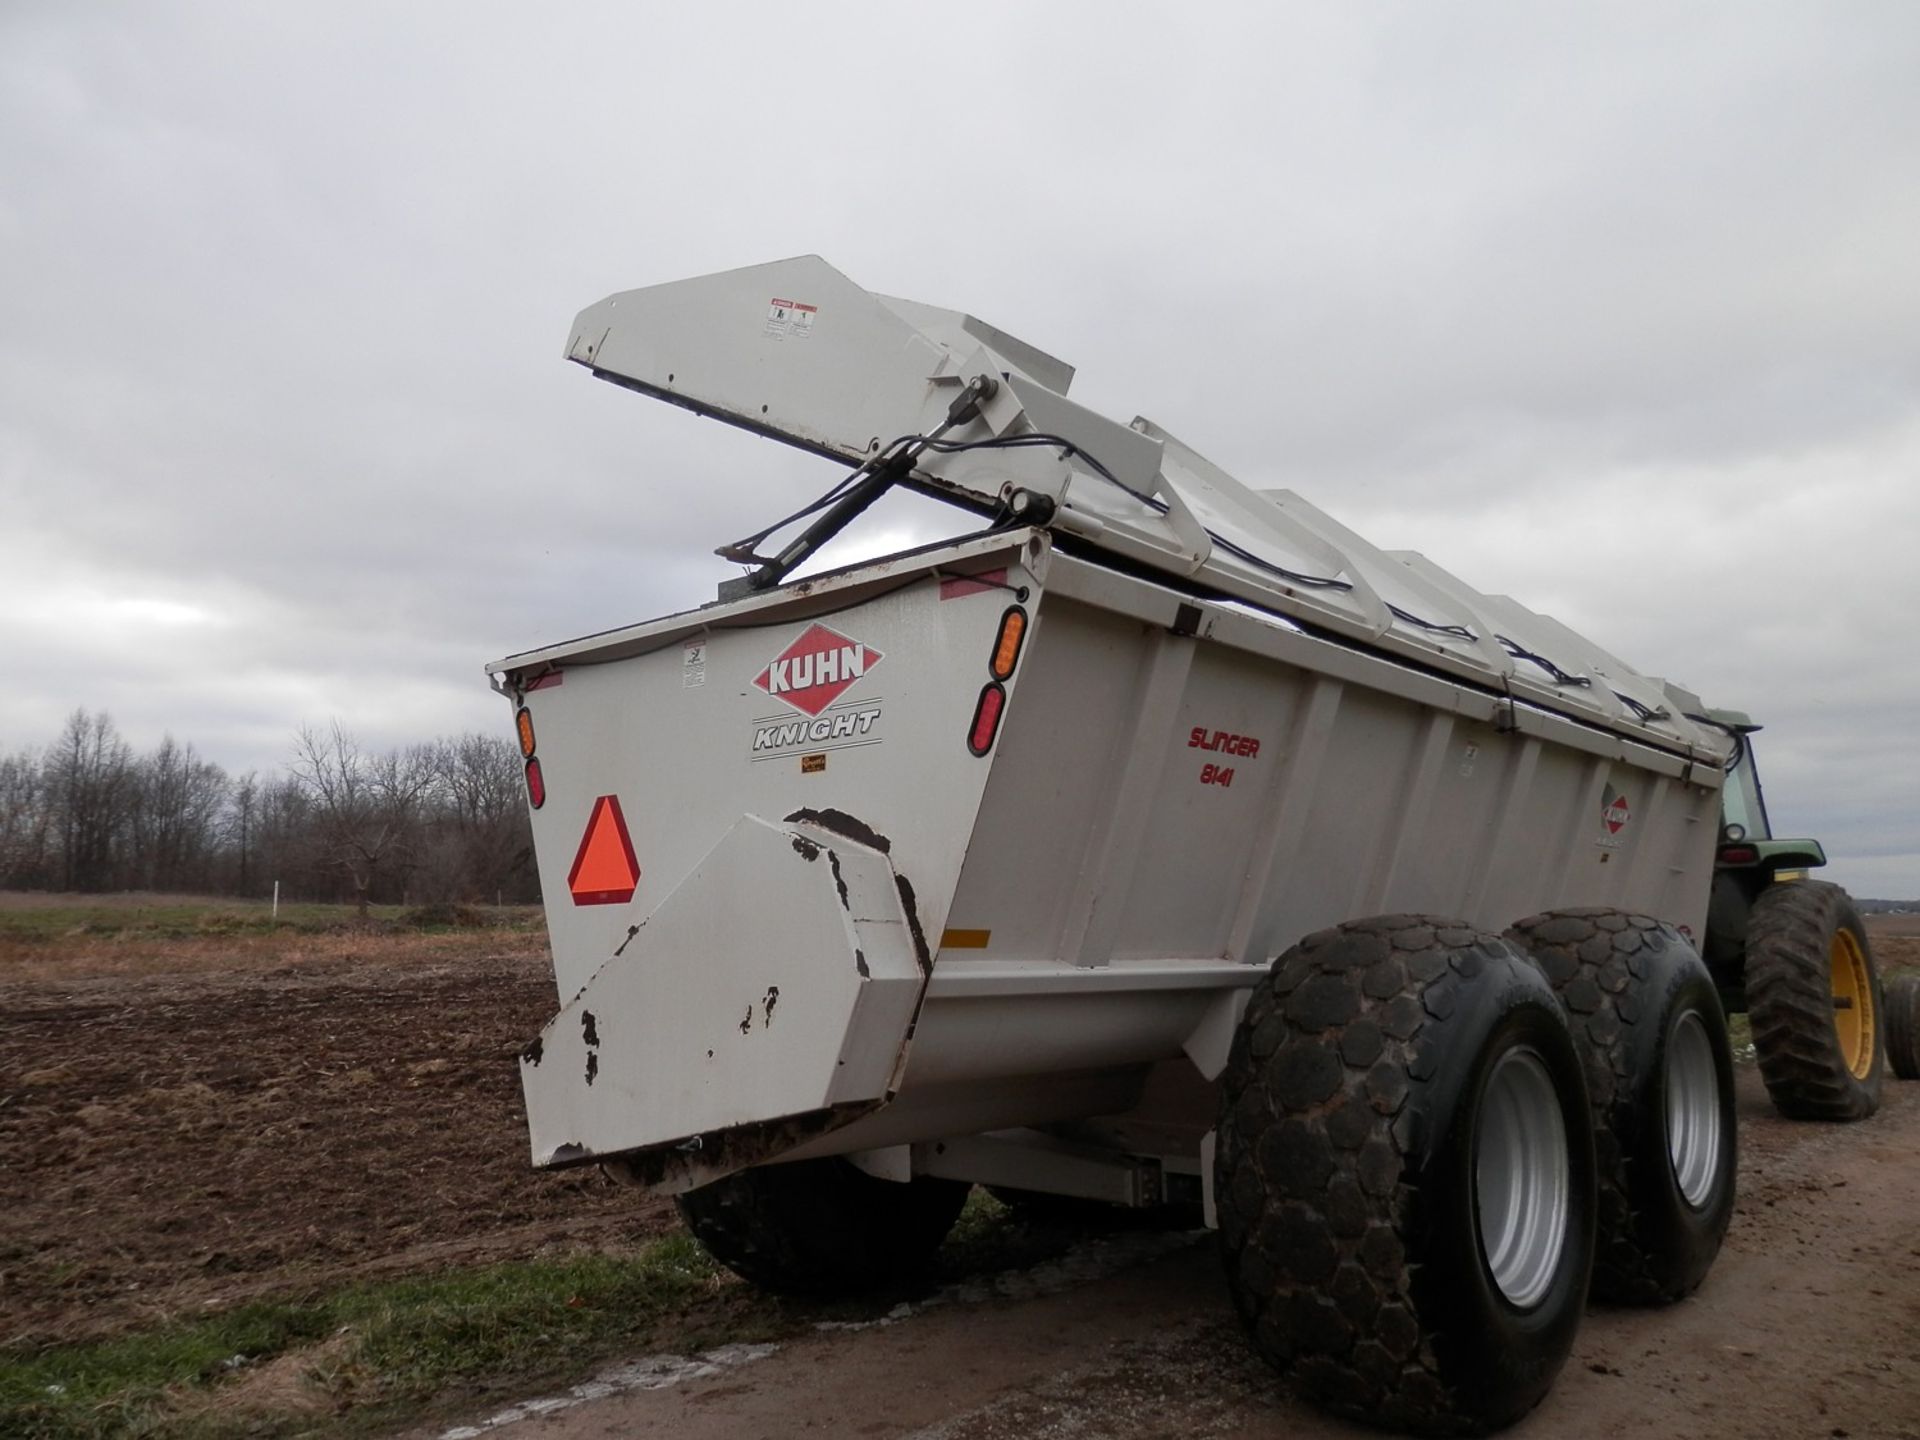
[(1615, 311)]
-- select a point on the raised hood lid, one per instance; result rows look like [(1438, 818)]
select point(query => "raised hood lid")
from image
[(796, 351)]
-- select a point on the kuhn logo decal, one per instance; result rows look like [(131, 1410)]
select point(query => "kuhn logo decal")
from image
[(817, 669), (1614, 811)]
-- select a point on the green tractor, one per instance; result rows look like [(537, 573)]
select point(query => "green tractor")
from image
[(1793, 954)]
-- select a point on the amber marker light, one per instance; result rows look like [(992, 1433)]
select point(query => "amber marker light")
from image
[(1006, 648), (523, 722)]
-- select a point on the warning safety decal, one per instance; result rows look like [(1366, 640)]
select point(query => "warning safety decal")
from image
[(789, 319)]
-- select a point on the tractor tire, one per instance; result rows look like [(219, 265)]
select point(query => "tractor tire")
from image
[(1814, 999), (1647, 1022), (1403, 1174), (822, 1227), (1903, 1025)]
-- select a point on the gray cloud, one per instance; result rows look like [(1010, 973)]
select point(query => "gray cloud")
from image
[(1611, 310)]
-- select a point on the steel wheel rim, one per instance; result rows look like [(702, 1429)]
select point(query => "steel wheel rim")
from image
[(1853, 1018), (1522, 1178), (1693, 1110)]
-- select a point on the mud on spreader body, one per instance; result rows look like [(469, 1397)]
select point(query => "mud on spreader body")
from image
[(971, 864)]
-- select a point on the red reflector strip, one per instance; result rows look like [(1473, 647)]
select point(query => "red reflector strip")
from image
[(536, 785), (986, 718), (1738, 855), (958, 585), (546, 681)]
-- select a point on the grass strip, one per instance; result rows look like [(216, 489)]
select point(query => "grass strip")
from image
[(52, 924), (377, 1353), (379, 1357)]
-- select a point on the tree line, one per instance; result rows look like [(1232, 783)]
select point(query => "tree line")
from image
[(440, 821)]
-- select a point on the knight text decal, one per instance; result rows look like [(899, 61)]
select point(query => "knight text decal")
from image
[(836, 730)]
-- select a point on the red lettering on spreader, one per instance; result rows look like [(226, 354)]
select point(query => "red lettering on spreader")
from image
[(1224, 741)]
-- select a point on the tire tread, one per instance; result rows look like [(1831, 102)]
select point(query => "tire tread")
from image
[(821, 1227), (1602, 956), (1902, 1009), (1313, 1140), (1790, 1002)]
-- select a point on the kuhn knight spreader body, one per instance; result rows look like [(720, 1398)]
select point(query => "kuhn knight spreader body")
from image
[(971, 864)]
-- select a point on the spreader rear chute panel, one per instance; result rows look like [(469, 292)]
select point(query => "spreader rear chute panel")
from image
[(777, 982)]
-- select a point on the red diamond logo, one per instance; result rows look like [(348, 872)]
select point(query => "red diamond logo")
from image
[(1614, 811), (817, 669)]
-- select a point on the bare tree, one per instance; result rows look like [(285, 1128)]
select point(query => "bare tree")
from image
[(282, 842), (367, 807), (483, 799), (88, 775), (172, 817), (25, 821), (443, 821), (243, 823)]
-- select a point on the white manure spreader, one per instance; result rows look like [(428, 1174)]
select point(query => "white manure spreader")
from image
[(972, 864)]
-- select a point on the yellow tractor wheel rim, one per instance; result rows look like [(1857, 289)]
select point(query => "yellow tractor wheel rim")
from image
[(1853, 1019)]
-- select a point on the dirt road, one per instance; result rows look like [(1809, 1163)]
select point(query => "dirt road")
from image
[(1808, 1326)]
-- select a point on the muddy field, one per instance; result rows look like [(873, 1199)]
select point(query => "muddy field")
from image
[(190, 1123), (197, 1122)]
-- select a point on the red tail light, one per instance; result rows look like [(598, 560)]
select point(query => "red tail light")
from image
[(986, 718), (536, 785)]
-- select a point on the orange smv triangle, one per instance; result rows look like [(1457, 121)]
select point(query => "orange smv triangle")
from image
[(605, 871)]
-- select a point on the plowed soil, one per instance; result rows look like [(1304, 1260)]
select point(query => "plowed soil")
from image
[(194, 1123), (185, 1124)]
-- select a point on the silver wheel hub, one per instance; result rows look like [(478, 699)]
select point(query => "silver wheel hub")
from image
[(1694, 1137), (1522, 1178)]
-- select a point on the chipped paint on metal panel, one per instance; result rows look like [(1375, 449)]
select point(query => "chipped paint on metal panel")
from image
[(841, 823), (912, 912)]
